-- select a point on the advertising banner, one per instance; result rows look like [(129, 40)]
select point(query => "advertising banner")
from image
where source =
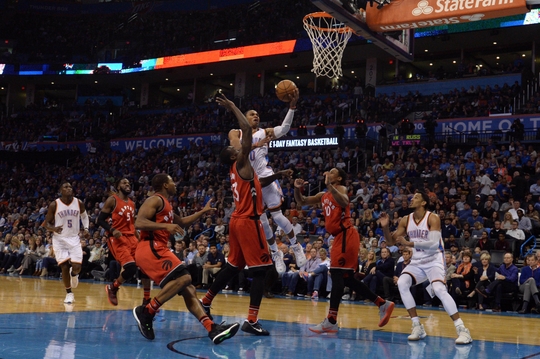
[(170, 142), (414, 14)]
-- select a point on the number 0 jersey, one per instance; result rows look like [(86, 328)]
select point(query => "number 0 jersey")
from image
[(258, 157), (336, 218)]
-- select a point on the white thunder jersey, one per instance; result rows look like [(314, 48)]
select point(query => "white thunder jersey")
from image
[(258, 157), (67, 216), (418, 232)]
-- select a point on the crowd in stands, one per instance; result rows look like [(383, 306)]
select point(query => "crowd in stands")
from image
[(487, 197), (343, 104), (149, 33)]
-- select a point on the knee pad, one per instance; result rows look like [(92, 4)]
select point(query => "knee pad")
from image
[(438, 288), (130, 269), (404, 282), (282, 221), (267, 229)]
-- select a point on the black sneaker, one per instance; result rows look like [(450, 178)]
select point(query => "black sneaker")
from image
[(145, 302), (206, 310), (254, 328), (221, 332), (144, 320)]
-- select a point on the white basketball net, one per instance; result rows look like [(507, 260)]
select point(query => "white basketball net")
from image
[(329, 38)]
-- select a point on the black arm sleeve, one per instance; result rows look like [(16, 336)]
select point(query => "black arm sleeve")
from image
[(102, 221)]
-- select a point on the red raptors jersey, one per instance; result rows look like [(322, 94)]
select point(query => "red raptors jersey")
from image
[(123, 215), (335, 217), (247, 195), (166, 215)]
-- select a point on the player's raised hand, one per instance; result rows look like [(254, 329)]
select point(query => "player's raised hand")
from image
[(222, 100), (299, 183), (208, 206), (293, 98), (384, 219)]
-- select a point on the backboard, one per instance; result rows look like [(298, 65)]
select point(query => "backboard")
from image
[(401, 48)]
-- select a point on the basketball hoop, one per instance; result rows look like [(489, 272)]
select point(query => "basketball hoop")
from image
[(329, 38)]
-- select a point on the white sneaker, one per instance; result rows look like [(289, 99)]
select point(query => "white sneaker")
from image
[(346, 296), (464, 336), (74, 280), (70, 298), (418, 332), (277, 257), (299, 254), (325, 327)]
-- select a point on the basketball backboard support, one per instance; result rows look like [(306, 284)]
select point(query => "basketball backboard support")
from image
[(401, 48)]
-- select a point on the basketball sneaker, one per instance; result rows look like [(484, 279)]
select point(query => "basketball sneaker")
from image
[(299, 254), (325, 327), (418, 332), (145, 302), (111, 294), (464, 336), (70, 298), (206, 310), (254, 328), (385, 311), (144, 321), (315, 295), (222, 332), (74, 279), (277, 257)]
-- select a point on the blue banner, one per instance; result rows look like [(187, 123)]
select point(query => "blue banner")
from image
[(83, 147), (170, 142)]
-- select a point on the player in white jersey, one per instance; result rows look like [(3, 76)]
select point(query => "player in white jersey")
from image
[(63, 219), (272, 194), (424, 231)]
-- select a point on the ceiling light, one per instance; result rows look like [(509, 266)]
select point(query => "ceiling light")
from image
[(494, 42), (426, 50)]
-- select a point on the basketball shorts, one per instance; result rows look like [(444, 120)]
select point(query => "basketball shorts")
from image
[(344, 252), (123, 248), (272, 196), (157, 262), (68, 249), (431, 268), (248, 244)]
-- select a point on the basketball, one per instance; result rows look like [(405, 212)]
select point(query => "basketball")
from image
[(285, 88)]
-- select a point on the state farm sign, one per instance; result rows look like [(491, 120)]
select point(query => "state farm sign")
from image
[(413, 14)]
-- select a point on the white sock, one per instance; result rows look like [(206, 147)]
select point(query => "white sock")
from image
[(415, 320), (458, 322), (273, 247), (293, 240)]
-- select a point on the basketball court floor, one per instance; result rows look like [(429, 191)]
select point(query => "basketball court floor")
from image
[(35, 323)]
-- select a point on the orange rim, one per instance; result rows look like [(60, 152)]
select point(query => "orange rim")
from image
[(322, 14)]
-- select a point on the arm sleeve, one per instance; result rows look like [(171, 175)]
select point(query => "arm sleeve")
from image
[(85, 220), (102, 221), (433, 242), (280, 131)]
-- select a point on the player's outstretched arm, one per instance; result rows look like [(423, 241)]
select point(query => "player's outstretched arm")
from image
[(300, 198), (265, 181)]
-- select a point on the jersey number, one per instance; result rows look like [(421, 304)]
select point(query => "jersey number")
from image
[(236, 196), (70, 223)]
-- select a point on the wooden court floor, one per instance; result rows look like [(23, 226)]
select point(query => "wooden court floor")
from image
[(34, 323)]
